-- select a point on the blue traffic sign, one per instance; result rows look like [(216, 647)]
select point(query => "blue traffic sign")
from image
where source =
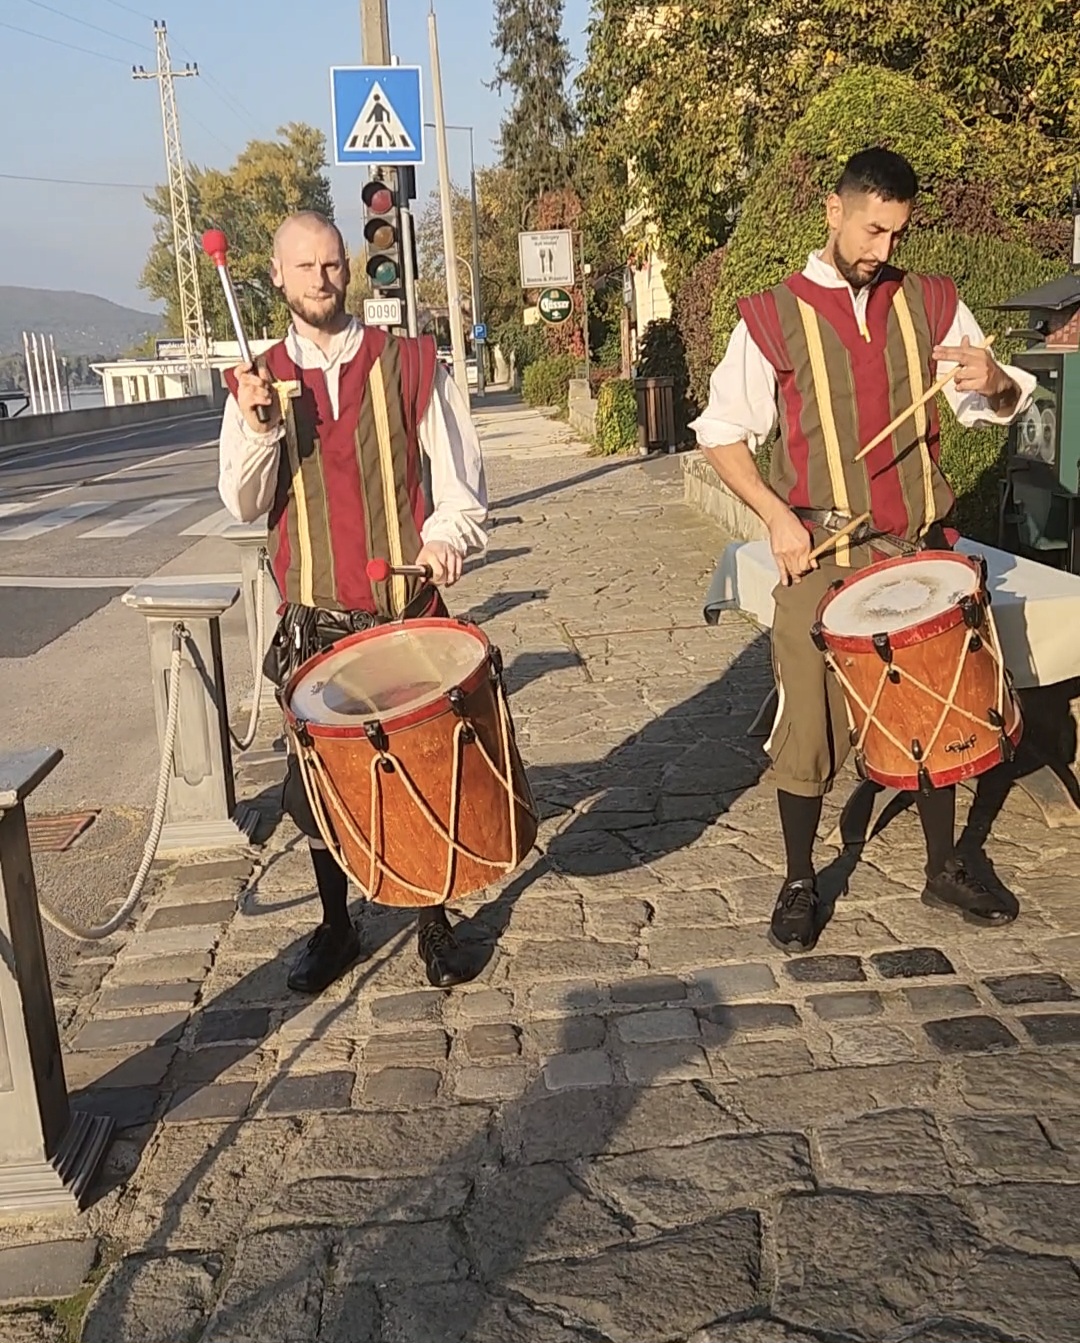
[(479, 331), (378, 114)]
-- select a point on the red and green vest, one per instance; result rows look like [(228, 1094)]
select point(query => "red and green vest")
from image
[(350, 489), (838, 386)]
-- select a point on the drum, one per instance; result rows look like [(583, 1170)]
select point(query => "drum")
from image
[(913, 644), (406, 746)]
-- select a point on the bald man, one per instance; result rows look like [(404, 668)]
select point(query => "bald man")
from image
[(361, 407)]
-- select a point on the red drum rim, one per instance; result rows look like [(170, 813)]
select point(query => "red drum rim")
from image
[(907, 635), (435, 709)]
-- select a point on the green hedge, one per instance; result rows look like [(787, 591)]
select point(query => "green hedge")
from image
[(616, 418), (782, 221), (546, 381)]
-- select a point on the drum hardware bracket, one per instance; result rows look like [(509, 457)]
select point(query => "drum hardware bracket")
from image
[(972, 610), (926, 787), (457, 704), (974, 643), (818, 636), (376, 735), (916, 749)]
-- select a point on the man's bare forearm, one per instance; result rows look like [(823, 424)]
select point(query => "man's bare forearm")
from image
[(734, 464)]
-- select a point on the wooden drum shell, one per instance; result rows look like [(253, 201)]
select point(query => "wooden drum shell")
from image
[(929, 652), (409, 845)]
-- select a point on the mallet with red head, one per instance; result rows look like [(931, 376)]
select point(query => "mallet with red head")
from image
[(216, 246)]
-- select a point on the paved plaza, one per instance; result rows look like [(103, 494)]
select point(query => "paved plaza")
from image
[(640, 1123)]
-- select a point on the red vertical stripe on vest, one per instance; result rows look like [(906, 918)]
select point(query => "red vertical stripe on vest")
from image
[(762, 320)]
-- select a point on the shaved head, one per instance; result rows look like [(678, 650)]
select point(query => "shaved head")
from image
[(304, 221), (311, 269)]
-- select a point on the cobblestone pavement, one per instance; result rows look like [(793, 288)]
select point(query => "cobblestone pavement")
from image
[(640, 1123)]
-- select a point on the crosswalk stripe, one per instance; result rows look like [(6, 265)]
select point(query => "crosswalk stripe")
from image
[(51, 522), (147, 516), (6, 510), (212, 525)]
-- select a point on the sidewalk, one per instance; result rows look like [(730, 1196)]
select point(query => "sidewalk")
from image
[(641, 1123)]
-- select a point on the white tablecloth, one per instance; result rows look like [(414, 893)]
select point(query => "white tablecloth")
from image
[(1037, 608)]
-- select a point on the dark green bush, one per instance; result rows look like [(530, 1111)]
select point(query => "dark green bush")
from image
[(783, 221)]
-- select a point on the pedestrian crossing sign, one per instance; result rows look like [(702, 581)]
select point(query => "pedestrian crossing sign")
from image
[(378, 114)]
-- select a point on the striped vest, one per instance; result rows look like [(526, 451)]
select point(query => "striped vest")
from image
[(838, 387), (350, 489)]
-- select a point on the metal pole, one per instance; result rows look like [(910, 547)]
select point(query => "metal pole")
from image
[(413, 320), (29, 375), (584, 302), (478, 316), (48, 375), (453, 295), (56, 372)]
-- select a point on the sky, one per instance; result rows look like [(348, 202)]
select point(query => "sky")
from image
[(78, 114)]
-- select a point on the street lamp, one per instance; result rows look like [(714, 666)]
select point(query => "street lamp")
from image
[(474, 269)]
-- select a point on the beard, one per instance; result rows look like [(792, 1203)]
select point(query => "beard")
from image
[(320, 313), (858, 274)]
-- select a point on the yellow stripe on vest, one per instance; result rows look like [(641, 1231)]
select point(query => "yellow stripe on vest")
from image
[(922, 424), (303, 525), (386, 471), (823, 396)]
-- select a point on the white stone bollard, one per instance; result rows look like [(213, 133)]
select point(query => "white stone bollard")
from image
[(201, 811), (250, 540), (49, 1153)]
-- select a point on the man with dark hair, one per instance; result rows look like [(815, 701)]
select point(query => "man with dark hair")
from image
[(834, 354), (339, 474)]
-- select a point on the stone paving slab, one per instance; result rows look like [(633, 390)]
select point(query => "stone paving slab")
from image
[(641, 1123)]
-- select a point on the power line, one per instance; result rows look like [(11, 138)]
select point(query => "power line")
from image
[(77, 182), (137, 12), (71, 18), (86, 51)]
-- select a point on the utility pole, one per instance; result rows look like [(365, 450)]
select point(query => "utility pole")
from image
[(374, 32), (453, 295), (187, 270)]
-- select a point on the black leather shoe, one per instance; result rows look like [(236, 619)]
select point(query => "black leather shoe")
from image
[(328, 954), (957, 890), (441, 953), (796, 917)]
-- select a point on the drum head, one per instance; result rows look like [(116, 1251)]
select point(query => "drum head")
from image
[(897, 596), (393, 672)]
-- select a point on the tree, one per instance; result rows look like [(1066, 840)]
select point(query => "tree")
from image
[(686, 103), (269, 180), (534, 63)]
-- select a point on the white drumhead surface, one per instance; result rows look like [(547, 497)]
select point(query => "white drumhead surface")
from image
[(898, 597), (397, 673)]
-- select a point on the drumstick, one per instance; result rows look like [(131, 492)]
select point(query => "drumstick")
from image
[(381, 570), (926, 396), (839, 536), (216, 246)]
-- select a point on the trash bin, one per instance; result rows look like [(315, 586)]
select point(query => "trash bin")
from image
[(655, 413)]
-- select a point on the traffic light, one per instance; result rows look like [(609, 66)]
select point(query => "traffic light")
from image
[(382, 234)]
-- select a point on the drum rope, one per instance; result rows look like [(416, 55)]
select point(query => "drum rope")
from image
[(310, 764), (242, 743), (948, 702), (96, 934)]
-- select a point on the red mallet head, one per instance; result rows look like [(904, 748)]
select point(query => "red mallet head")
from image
[(378, 570), (216, 246)]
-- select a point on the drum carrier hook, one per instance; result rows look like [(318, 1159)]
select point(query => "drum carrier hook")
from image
[(456, 696)]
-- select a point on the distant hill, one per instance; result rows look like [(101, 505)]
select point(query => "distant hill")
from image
[(79, 323)]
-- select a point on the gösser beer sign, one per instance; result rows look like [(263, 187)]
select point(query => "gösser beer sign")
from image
[(555, 306)]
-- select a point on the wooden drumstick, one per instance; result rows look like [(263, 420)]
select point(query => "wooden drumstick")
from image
[(926, 396), (839, 536), (381, 570)]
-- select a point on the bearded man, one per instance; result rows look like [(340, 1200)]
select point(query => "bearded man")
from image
[(339, 474), (833, 354)]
